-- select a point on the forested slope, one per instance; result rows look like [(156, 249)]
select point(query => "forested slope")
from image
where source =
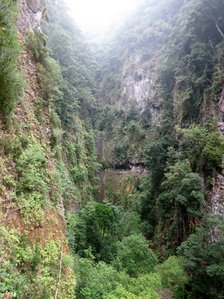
[(144, 219), (48, 155), (160, 104)]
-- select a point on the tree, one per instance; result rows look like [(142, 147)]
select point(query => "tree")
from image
[(203, 254), (181, 201), (203, 147), (134, 256), (173, 276), (146, 286), (95, 280), (95, 228)]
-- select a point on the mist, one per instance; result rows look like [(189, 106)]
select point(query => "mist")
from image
[(95, 17)]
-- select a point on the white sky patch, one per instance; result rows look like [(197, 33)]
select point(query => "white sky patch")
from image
[(94, 16)]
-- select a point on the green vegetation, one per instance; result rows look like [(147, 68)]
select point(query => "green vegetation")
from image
[(31, 271), (203, 147), (32, 183), (114, 259), (178, 44), (10, 80), (134, 257), (48, 162), (103, 281), (203, 258), (97, 228)]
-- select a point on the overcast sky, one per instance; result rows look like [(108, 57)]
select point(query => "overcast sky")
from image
[(95, 16)]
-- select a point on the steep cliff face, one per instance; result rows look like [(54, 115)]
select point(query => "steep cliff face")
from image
[(162, 93), (129, 78), (30, 15), (138, 85), (217, 194), (32, 227)]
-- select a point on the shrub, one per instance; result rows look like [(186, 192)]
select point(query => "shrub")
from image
[(32, 183), (36, 43), (173, 276), (134, 256), (10, 80), (203, 147)]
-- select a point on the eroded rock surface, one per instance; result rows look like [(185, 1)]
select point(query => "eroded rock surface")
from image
[(31, 14)]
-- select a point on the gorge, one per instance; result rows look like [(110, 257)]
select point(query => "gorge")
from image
[(112, 182)]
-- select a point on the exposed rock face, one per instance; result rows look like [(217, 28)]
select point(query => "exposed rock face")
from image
[(217, 196), (34, 5), (217, 193), (217, 206), (221, 102), (221, 128), (138, 85), (218, 189), (221, 112), (132, 84), (31, 13)]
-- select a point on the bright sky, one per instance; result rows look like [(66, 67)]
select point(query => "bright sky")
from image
[(94, 16)]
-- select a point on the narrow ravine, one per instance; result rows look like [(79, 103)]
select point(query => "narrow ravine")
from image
[(112, 150)]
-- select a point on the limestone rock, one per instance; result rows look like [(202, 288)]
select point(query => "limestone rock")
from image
[(221, 102), (30, 17), (34, 5)]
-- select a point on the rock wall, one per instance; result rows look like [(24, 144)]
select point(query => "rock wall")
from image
[(221, 113), (138, 85), (217, 194), (30, 16)]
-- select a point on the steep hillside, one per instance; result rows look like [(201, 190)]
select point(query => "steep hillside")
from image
[(161, 106), (162, 52), (35, 260), (48, 152)]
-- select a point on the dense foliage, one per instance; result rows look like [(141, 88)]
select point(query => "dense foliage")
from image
[(178, 44), (10, 81), (114, 259)]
